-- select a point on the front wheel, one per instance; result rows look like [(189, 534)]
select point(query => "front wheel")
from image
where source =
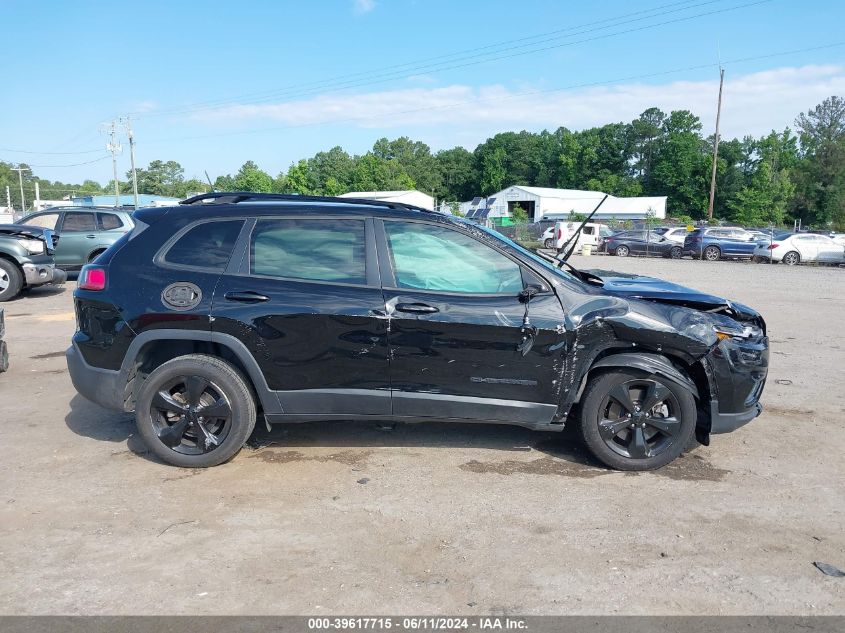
[(11, 280), (630, 421), (195, 411), (676, 252), (622, 251)]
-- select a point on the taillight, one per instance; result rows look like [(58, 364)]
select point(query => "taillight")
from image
[(92, 278), (559, 233), (773, 246)]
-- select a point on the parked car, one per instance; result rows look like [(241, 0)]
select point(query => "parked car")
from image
[(300, 308), (26, 259), (593, 234), (676, 234), (85, 231), (713, 244), (794, 248), (642, 243)]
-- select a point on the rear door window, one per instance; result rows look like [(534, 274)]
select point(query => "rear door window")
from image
[(326, 250), (78, 222), (207, 246)]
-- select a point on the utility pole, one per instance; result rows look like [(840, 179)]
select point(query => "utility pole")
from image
[(716, 146), (132, 160), (20, 171), (114, 147), (8, 199)]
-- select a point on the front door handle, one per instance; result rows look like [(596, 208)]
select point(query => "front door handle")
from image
[(246, 296), (416, 308), (90, 237)]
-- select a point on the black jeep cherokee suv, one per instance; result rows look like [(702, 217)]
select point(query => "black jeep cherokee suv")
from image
[(296, 308)]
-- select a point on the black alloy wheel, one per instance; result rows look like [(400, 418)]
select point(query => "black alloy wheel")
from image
[(191, 415), (676, 252), (636, 422), (195, 411)]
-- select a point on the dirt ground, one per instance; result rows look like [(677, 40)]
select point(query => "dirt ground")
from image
[(350, 518)]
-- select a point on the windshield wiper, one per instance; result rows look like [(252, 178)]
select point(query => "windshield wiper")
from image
[(583, 275)]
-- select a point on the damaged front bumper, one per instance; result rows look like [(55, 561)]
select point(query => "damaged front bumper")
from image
[(41, 274), (737, 370)]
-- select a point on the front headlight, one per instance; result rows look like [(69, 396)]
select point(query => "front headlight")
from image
[(724, 331), (33, 247)]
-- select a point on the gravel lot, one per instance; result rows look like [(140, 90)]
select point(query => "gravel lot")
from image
[(348, 518)]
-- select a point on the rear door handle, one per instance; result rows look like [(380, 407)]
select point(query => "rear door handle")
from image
[(90, 237), (246, 296), (416, 308)]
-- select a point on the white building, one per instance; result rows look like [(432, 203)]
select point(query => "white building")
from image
[(414, 197), (542, 202)]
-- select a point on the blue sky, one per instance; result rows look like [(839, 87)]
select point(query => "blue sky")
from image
[(213, 84)]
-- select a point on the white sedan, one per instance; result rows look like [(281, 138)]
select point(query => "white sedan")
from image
[(794, 248)]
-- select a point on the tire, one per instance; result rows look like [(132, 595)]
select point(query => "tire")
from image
[(791, 258), (4, 357), (11, 280), (549, 243), (676, 252), (712, 253), (166, 402), (639, 447), (622, 251)]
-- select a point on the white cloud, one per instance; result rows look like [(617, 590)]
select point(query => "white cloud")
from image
[(363, 6), (752, 104), (145, 106)]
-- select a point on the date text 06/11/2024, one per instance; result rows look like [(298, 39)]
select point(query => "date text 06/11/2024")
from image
[(417, 623)]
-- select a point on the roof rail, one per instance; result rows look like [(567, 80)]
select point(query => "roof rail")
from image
[(233, 197)]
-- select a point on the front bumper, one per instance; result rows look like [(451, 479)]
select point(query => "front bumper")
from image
[(97, 385), (737, 370), (41, 274)]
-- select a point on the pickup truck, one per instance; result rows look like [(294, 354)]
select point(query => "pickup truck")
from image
[(26, 259)]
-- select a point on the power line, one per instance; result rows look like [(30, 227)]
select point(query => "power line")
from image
[(295, 91), (501, 98), (475, 50), (88, 162), (23, 151)]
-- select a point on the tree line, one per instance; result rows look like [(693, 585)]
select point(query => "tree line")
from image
[(775, 178)]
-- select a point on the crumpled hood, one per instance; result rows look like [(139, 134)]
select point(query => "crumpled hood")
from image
[(23, 230), (661, 291)]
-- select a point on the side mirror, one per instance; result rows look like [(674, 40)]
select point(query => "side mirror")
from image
[(530, 290)]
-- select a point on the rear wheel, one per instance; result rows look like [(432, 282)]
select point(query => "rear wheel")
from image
[(195, 411), (712, 253), (549, 243), (675, 252), (630, 421), (622, 251), (11, 280), (791, 258)]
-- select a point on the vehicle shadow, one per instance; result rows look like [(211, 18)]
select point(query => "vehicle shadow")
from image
[(39, 291), (357, 434), (90, 420)]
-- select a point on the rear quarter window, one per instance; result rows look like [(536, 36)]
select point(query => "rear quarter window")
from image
[(207, 246)]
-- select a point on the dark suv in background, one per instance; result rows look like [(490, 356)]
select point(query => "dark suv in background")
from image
[(294, 308)]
